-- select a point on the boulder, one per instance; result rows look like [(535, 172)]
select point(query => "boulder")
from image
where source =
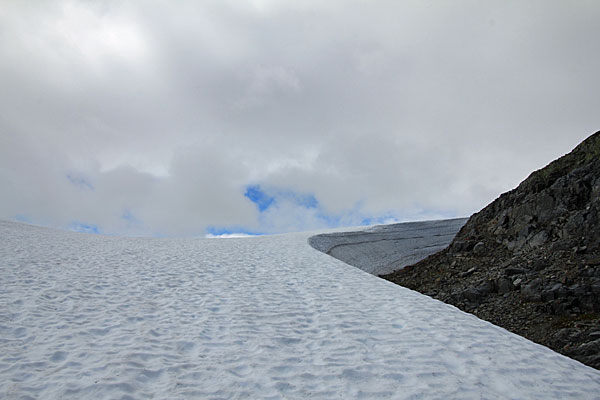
[(479, 249), (473, 295), (589, 348), (538, 239), (532, 290), (515, 271), (505, 285)]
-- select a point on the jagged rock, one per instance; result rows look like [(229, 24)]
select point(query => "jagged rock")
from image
[(473, 295), (505, 285), (540, 245), (488, 287), (517, 282), (531, 291), (461, 246), (538, 239), (479, 249), (592, 261), (565, 336), (556, 291), (590, 348), (515, 271), (470, 271)]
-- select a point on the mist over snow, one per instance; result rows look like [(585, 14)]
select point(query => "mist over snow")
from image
[(233, 117)]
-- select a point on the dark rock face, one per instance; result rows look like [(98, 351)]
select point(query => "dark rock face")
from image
[(530, 261)]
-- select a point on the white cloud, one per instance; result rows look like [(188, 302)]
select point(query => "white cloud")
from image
[(382, 110), (228, 236)]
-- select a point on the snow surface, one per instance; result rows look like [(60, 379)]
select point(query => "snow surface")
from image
[(383, 249), (87, 316)]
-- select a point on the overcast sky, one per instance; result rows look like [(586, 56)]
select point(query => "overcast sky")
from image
[(181, 118)]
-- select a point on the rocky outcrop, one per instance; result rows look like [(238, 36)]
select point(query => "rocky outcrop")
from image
[(530, 261)]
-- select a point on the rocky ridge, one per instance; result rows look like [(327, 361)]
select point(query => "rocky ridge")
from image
[(530, 261)]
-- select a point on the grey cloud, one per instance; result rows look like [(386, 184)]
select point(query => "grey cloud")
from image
[(411, 109)]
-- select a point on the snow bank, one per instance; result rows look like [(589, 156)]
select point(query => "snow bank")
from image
[(86, 316), (383, 249)]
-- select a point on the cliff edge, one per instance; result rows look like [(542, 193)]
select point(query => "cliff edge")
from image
[(530, 261)]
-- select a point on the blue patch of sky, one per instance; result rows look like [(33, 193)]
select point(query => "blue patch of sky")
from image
[(304, 200), (84, 227), (264, 199), (368, 221), (217, 231), (80, 182), (256, 195), (331, 221), (22, 218), (270, 197), (356, 216)]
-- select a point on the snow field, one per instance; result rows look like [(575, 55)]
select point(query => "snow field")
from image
[(383, 249), (87, 316)]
